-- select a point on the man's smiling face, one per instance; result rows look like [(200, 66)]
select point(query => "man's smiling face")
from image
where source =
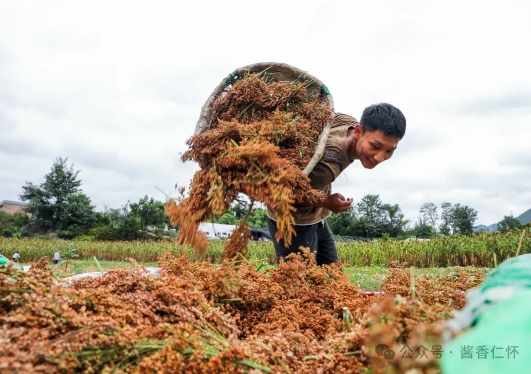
[(373, 147)]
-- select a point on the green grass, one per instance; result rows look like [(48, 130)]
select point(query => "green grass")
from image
[(87, 266), (369, 278)]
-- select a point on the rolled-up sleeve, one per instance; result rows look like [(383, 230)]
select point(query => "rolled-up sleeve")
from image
[(323, 175)]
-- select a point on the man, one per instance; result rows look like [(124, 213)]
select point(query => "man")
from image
[(372, 141), (16, 256), (56, 258)]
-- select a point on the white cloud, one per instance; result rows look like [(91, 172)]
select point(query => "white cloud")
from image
[(118, 86)]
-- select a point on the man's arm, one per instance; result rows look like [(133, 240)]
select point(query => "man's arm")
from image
[(336, 203), (321, 176)]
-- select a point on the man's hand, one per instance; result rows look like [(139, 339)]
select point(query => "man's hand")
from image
[(337, 203)]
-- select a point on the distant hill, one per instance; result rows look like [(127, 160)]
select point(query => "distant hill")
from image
[(524, 219), (491, 228)]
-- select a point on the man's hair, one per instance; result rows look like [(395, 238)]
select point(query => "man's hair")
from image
[(384, 117)]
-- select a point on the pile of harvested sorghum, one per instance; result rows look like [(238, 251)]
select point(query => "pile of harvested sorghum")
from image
[(198, 318)]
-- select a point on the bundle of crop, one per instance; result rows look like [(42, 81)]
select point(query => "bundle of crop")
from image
[(260, 137), (195, 317), (447, 290), (109, 324)]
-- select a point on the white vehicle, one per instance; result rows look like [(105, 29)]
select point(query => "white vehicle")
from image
[(215, 231)]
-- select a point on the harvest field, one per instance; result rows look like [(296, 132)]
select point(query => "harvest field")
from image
[(246, 317), (225, 306), (196, 317), (135, 254), (481, 249)]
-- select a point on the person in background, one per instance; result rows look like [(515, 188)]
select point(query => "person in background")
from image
[(16, 256), (56, 257)]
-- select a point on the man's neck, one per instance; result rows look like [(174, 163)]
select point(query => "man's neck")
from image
[(350, 143)]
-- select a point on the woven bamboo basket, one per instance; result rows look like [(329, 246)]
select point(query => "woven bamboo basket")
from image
[(276, 72)]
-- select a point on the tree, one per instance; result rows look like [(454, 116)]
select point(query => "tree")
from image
[(429, 213), (114, 216), (370, 215), (150, 212), (128, 225), (46, 201), (13, 225), (101, 219), (375, 218), (77, 216), (227, 219), (344, 223), (422, 229), (258, 218), (239, 209), (446, 218), (117, 224), (509, 223), (463, 219), (393, 220), (370, 207)]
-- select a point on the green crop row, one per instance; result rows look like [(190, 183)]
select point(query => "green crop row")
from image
[(483, 250)]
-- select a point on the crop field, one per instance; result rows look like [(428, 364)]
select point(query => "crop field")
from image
[(481, 250), (248, 316)]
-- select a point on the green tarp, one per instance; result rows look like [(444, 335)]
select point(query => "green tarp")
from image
[(4, 261), (513, 272), (496, 322), (500, 342)]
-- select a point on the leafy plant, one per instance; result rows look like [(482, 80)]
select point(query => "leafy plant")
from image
[(68, 254)]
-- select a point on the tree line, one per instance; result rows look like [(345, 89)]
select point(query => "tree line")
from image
[(59, 207), (372, 218)]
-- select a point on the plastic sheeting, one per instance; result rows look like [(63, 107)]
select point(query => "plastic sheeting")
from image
[(153, 271), (4, 261), (498, 343), (494, 325), (500, 285)]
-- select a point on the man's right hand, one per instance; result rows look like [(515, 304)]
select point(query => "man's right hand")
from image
[(337, 203)]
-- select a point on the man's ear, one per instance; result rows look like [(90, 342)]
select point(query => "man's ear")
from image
[(357, 131)]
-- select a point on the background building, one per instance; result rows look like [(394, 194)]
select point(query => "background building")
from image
[(11, 207)]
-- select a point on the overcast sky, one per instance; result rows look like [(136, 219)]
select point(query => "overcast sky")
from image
[(117, 87)]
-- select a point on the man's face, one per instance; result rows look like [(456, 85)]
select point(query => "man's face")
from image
[(374, 147)]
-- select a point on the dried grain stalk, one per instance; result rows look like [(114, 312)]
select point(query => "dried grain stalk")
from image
[(195, 317), (261, 141)]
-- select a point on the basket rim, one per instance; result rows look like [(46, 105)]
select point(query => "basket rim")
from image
[(205, 117)]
